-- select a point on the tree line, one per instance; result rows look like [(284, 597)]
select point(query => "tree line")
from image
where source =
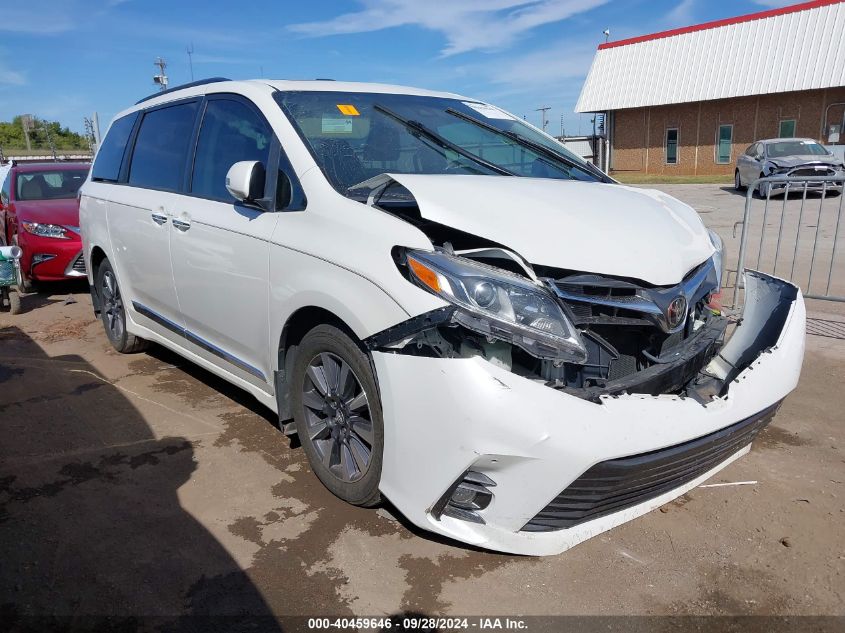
[(41, 133)]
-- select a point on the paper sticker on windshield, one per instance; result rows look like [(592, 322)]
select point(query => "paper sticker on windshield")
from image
[(348, 110), (488, 111), (337, 126)]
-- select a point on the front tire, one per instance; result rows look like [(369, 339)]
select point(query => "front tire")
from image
[(113, 312), (738, 181), (338, 415)]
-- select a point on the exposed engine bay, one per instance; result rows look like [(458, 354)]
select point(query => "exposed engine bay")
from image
[(635, 337)]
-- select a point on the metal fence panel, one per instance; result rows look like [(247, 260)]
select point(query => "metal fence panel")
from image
[(797, 237)]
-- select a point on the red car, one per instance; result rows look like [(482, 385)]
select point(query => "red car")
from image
[(39, 210)]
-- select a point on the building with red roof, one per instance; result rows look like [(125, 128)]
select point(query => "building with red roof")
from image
[(688, 100)]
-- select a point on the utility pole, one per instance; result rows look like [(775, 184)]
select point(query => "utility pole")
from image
[(26, 124), (562, 134), (95, 124), (190, 51), (160, 78), (543, 111)]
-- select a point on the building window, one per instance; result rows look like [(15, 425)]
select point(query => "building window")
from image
[(724, 144), (787, 128), (672, 146)]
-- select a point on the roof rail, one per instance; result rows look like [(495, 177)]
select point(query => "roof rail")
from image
[(199, 82)]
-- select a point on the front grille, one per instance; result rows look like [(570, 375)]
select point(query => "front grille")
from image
[(79, 264), (617, 484), (809, 171)]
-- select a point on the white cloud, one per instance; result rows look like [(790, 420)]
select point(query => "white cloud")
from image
[(48, 17), (551, 66), (9, 77), (199, 58), (467, 25), (35, 18), (682, 14)]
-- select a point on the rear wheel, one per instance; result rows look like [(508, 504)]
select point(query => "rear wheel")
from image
[(338, 414), (113, 312)]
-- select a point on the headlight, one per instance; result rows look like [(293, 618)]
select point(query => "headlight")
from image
[(500, 305), (717, 256), (46, 230)]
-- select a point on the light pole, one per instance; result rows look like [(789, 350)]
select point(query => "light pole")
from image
[(543, 120)]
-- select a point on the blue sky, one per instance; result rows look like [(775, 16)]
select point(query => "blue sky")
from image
[(62, 60)]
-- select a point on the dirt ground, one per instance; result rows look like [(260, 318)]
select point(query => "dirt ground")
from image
[(143, 485)]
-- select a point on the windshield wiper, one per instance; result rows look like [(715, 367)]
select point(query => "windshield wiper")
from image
[(533, 146), (418, 129)]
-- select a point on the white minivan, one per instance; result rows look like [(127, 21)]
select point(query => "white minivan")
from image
[(450, 309)]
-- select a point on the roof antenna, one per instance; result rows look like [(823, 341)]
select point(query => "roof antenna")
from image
[(606, 35)]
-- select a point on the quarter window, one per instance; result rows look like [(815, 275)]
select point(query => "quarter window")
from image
[(787, 128), (110, 154), (724, 144), (672, 146), (161, 149), (231, 132)]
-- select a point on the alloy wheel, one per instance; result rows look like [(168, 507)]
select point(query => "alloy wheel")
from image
[(112, 305), (338, 418)]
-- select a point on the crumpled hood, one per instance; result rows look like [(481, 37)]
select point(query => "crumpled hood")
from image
[(592, 227), (809, 159), (64, 211)]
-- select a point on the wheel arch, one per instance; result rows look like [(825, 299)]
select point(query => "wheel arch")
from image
[(298, 324), (98, 255)]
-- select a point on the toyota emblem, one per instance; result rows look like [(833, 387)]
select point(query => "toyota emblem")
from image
[(676, 312)]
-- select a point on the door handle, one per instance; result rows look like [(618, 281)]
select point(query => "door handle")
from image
[(180, 224), (159, 218)]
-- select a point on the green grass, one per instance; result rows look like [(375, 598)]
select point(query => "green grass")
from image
[(658, 179)]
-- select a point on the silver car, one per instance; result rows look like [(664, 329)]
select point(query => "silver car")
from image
[(785, 157)]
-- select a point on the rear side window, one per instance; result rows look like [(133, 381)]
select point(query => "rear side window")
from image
[(158, 161), (110, 155), (49, 184), (231, 132)]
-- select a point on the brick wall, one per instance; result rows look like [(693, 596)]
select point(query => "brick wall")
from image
[(639, 134)]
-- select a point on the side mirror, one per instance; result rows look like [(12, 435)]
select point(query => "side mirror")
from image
[(245, 181)]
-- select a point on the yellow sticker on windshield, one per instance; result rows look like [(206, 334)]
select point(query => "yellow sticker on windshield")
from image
[(348, 110)]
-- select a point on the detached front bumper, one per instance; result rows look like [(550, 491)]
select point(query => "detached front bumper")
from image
[(445, 417)]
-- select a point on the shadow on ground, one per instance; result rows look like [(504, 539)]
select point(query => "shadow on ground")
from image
[(90, 521), (48, 293)]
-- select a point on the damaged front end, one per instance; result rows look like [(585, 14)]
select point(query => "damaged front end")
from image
[(584, 334), (535, 399)]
